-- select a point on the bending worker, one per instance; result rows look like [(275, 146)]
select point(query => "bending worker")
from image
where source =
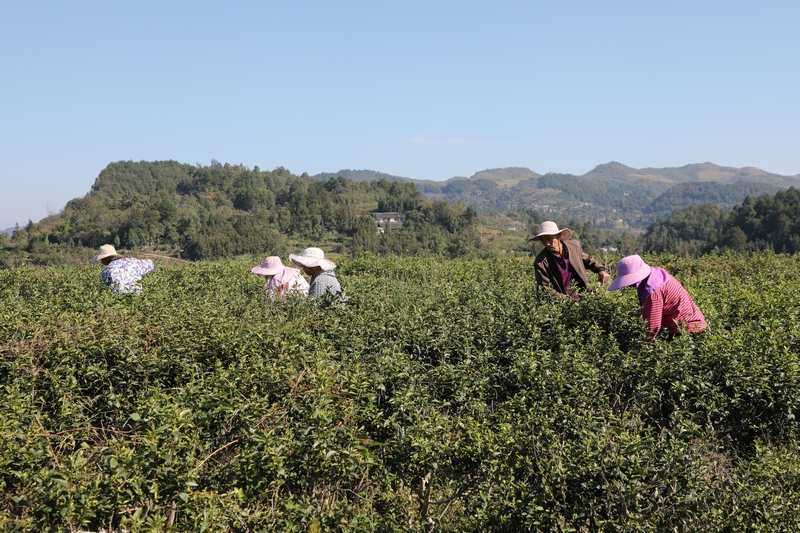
[(323, 278), (562, 262), (121, 274), (281, 280), (665, 302)]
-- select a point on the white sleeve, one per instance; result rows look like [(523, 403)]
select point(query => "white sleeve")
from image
[(299, 284)]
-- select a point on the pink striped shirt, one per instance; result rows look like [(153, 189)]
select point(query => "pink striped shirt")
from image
[(672, 306)]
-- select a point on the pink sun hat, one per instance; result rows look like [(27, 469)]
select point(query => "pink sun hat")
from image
[(272, 265), (630, 270)]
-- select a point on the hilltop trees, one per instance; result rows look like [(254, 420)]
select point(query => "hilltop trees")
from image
[(400, 197), (221, 210), (204, 212), (694, 230), (766, 222), (701, 192), (435, 227)]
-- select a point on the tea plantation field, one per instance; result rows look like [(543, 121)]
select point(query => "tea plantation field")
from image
[(448, 395)]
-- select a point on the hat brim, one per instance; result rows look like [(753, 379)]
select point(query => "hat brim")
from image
[(261, 271), (100, 257), (311, 262), (561, 235), (630, 279)]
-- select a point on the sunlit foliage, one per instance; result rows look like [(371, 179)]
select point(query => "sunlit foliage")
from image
[(447, 395)]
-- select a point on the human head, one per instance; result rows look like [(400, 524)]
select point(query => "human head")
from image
[(630, 270), (310, 259), (106, 253)]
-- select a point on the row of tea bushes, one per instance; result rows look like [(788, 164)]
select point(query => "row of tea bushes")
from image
[(447, 395)]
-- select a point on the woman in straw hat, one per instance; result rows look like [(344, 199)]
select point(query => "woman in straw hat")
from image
[(665, 302), (561, 261), (281, 280), (323, 278), (122, 274)]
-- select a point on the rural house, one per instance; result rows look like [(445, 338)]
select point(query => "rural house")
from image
[(390, 221)]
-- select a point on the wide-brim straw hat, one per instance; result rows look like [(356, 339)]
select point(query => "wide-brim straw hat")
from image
[(548, 227), (312, 257), (107, 250), (272, 265), (630, 270)]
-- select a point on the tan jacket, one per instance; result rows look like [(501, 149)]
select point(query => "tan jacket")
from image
[(548, 276)]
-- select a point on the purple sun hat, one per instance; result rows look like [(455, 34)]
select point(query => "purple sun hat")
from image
[(272, 265), (630, 270)]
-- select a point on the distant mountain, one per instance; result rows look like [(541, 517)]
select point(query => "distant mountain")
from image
[(502, 176), (694, 172), (470, 190), (506, 176), (360, 175), (610, 195), (8, 230)]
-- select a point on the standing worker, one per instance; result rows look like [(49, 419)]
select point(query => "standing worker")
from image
[(562, 262)]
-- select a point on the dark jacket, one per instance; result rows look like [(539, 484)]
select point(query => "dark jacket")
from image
[(548, 276)]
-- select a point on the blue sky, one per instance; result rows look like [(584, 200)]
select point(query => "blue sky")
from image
[(423, 89)]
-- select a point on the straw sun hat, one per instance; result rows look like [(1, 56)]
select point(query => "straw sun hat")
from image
[(312, 257), (107, 250), (549, 227)]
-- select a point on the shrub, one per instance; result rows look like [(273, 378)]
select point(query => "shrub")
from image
[(446, 395)]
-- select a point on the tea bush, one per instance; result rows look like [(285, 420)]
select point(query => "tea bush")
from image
[(447, 395)]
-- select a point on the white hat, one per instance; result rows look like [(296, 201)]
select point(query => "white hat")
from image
[(548, 227), (312, 257), (107, 250)]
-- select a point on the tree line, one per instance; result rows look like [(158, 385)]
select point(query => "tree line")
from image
[(200, 212), (766, 222), (220, 210)]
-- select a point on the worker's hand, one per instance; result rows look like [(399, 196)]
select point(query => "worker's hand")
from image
[(603, 275)]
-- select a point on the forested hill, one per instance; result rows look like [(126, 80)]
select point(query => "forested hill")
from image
[(611, 195), (204, 212), (458, 188), (614, 195), (694, 172), (360, 175), (725, 195), (766, 222), (222, 210)]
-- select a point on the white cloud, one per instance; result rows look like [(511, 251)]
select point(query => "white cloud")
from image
[(439, 141)]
